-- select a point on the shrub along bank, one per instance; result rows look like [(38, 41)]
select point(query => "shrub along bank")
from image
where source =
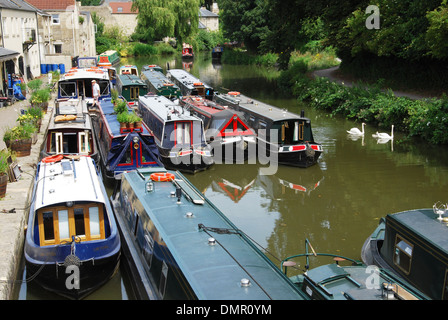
[(427, 118)]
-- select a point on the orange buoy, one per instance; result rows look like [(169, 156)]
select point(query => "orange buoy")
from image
[(55, 158), (162, 176)]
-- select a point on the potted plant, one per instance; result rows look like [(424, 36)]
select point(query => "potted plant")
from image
[(123, 119), (120, 107), (114, 96), (4, 167), (19, 139), (36, 114), (40, 98), (137, 120)]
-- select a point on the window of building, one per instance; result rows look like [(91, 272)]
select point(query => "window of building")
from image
[(58, 48), (55, 19), (119, 9)]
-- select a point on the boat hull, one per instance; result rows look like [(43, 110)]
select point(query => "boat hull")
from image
[(236, 151), (189, 163), (57, 278), (302, 158)]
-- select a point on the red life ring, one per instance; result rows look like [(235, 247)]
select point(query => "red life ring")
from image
[(162, 176), (55, 158), (233, 93)]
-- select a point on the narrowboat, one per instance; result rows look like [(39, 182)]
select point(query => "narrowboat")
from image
[(109, 58), (225, 130), (122, 149), (217, 52), (179, 136), (280, 134), (77, 84), (152, 67), (129, 69), (189, 85), (72, 243), (348, 279), (187, 51), (70, 131), (159, 84), (178, 245), (413, 244), (130, 87)]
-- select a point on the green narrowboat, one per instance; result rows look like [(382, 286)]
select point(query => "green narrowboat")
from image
[(159, 84), (348, 279), (414, 245), (130, 87), (109, 58)]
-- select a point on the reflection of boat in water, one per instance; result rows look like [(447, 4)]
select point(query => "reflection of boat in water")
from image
[(178, 245), (413, 244), (285, 182), (355, 281), (71, 225)]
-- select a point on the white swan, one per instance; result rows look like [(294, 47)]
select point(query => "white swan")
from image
[(384, 136), (356, 131)]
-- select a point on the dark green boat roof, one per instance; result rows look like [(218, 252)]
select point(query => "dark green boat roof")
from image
[(213, 271), (424, 224), (130, 79)]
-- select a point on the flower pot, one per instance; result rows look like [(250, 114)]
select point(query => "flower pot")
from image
[(137, 124), (130, 125), (3, 184), (21, 147)]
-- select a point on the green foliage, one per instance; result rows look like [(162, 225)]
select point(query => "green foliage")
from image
[(170, 18), (208, 40), (19, 132), (34, 84), (437, 33), (4, 165), (142, 49), (120, 107)]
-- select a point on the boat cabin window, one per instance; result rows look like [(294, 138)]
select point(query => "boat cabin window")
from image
[(183, 133), (69, 142), (134, 93), (67, 89), (58, 224), (217, 123), (403, 254)]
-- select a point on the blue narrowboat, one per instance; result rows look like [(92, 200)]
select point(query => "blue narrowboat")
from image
[(72, 243), (122, 149), (413, 244), (159, 84), (281, 134), (179, 136), (178, 245), (190, 85)]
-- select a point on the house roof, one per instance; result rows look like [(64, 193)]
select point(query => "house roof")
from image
[(17, 4), (204, 13), (126, 7), (52, 4)]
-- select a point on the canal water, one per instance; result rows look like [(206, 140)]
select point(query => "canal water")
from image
[(335, 204)]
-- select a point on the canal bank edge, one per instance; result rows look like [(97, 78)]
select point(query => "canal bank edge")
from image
[(12, 224)]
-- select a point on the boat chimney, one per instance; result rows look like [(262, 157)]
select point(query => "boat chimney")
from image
[(302, 113), (178, 194)]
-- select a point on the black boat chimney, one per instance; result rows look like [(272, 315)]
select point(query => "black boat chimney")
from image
[(302, 113)]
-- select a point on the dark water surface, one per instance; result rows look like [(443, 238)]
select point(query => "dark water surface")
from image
[(336, 204)]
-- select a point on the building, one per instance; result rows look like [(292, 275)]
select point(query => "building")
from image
[(19, 56), (208, 20), (68, 33)]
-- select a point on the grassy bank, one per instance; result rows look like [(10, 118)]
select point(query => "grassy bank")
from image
[(427, 118)]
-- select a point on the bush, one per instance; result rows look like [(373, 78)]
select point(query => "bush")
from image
[(142, 49)]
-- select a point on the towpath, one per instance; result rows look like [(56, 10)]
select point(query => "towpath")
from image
[(14, 206), (333, 74)]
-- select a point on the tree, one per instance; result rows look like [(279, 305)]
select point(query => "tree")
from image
[(157, 19), (243, 21)]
